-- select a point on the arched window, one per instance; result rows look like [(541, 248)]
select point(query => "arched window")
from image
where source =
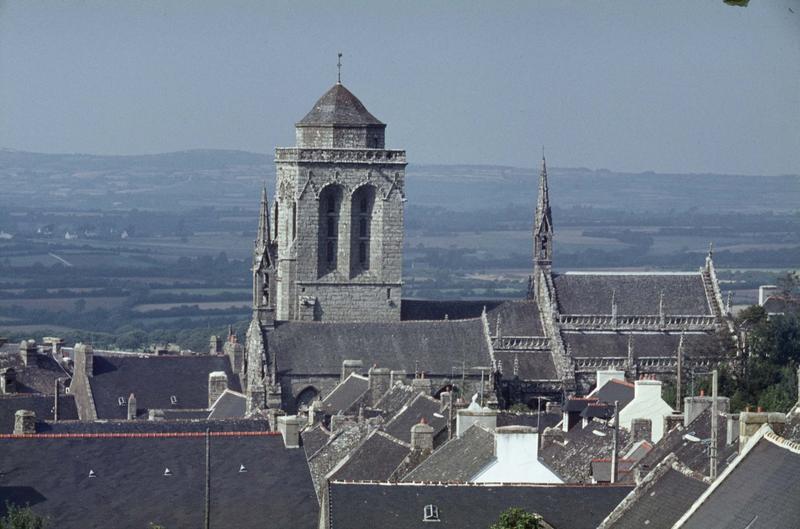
[(330, 202), (306, 397), (275, 224), (361, 231)]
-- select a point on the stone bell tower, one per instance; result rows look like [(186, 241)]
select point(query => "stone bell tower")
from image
[(338, 216)]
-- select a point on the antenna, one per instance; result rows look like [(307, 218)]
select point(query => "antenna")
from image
[(339, 66)]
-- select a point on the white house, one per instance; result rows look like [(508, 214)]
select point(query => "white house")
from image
[(516, 459), (646, 404)]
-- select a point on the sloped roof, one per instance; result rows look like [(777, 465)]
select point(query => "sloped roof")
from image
[(459, 459), (229, 405), (432, 309), (760, 490), (659, 500), (634, 293), (154, 380), (393, 400), (338, 106), (531, 365), (572, 459), (345, 394), (401, 505), (41, 405), (38, 377), (615, 390), (121, 426), (665, 344), (340, 443), (422, 407), (435, 347), (542, 420), (130, 484), (693, 454), (375, 459)]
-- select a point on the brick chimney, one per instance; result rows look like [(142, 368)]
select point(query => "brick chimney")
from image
[(422, 384), (28, 352), (351, 366), (474, 414), (84, 359), (750, 422), (397, 375), (24, 422), (132, 407), (641, 430), (379, 378), (289, 426), (422, 436), (217, 384)]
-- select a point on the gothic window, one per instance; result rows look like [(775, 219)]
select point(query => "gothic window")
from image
[(362, 219), (294, 220), (265, 291), (543, 249), (329, 208), (275, 235)]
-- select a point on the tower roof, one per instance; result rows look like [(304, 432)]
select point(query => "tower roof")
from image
[(543, 220), (338, 106)]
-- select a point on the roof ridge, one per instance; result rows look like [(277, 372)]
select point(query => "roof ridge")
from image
[(117, 435)]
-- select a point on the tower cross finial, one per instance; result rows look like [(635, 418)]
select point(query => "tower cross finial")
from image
[(339, 66)]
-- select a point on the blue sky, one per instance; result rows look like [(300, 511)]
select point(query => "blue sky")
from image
[(661, 85)]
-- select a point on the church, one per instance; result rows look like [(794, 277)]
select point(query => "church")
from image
[(328, 292)]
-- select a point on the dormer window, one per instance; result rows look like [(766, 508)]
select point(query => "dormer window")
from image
[(430, 514)]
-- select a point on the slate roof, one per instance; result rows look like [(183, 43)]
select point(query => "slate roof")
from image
[(313, 439), (430, 309), (401, 505), (229, 405), (393, 400), (459, 459), (154, 380), (130, 484), (346, 394), (659, 500), (518, 317), (635, 294), (38, 378), (435, 347), (143, 426), (615, 390), (693, 454), (664, 344), (598, 410), (422, 407), (542, 420), (41, 405), (375, 459), (340, 443), (531, 365), (572, 459), (338, 106), (759, 491)]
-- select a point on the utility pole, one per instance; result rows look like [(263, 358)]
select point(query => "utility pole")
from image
[(712, 467), (614, 443), (207, 523), (679, 377)]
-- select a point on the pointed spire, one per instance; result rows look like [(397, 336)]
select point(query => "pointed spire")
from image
[(543, 222), (263, 221)]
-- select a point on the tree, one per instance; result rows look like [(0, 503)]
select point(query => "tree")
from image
[(516, 518), (21, 518)]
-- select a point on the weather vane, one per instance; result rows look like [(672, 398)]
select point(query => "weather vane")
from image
[(339, 66)]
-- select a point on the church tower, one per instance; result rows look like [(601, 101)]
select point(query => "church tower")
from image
[(264, 270), (338, 216), (542, 232)]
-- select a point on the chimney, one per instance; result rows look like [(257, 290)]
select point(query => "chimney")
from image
[(28, 352), (378, 383), (84, 359), (213, 345), (235, 353), (423, 385), (422, 436), (694, 406), (605, 375), (156, 415), (641, 430), (732, 430), (351, 366), (217, 384), (750, 422), (24, 422), (8, 381), (552, 435), (289, 426), (397, 375), (474, 414), (132, 407), (445, 400), (553, 407)]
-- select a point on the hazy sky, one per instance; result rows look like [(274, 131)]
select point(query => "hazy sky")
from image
[(663, 85)]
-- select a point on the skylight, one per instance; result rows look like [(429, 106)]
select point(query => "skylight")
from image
[(430, 514)]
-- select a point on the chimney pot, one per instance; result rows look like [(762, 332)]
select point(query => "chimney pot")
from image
[(24, 422)]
